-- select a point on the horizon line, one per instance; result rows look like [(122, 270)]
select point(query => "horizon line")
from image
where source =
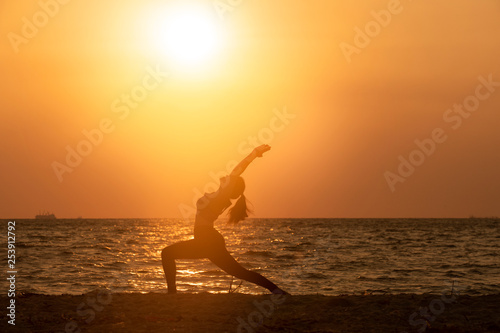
[(250, 218)]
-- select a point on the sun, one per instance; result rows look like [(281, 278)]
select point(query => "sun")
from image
[(189, 36)]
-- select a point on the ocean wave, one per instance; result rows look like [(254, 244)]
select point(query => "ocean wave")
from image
[(259, 253), (455, 274), (286, 256), (103, 247), (316, 276), (475, 271), (213, 272)]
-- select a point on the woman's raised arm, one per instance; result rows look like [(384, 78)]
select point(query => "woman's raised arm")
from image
[(257, 152)]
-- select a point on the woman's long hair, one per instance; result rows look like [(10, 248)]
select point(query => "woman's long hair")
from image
[(239, 211)]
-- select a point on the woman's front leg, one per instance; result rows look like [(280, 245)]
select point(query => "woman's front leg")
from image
[(183, 250)]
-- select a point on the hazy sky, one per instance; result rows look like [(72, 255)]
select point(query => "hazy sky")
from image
[(341, 90)]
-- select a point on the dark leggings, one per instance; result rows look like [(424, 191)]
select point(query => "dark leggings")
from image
[(208, 243)]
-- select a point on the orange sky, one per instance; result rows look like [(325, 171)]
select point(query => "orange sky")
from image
[(354, 114)]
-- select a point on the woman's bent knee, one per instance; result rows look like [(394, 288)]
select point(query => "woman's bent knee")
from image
[(166, 253)]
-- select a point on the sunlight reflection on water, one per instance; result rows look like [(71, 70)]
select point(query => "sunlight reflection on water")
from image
[(305, 256)]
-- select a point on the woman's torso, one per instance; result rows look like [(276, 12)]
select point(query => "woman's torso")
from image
[(211, 205), (208, 208)]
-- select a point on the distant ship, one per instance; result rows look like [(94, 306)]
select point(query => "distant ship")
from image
[(45, 216)]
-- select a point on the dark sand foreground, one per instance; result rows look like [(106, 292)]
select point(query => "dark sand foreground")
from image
[(155, 312)]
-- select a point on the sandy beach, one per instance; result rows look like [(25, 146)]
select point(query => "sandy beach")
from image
[(101, 311)]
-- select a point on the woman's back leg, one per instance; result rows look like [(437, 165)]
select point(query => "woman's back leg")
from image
[(226, 262)]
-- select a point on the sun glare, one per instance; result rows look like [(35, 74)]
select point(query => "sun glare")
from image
[(188, 36)]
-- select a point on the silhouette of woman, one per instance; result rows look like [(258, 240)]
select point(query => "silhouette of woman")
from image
[(208, 242)]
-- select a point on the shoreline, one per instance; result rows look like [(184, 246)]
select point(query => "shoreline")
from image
[(103, 311)]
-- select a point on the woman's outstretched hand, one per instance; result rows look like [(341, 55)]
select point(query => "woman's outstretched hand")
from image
[(261, 150), (256, 152)]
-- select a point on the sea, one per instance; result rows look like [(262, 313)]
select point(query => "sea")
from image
[(302, 256)]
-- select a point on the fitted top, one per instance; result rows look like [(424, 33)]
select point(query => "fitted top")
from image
[(211, 205)]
